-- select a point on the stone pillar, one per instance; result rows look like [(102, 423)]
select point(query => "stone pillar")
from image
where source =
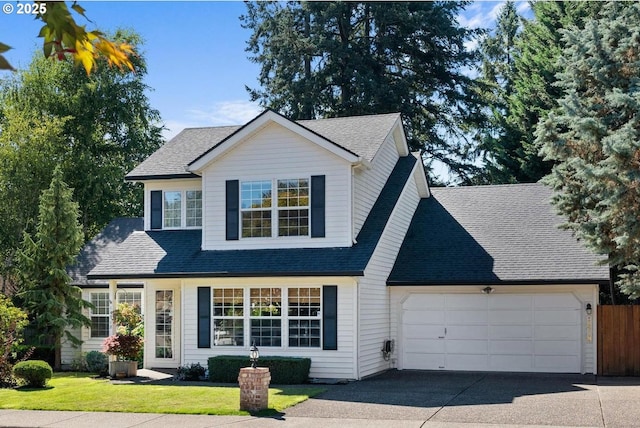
[(254, 388)]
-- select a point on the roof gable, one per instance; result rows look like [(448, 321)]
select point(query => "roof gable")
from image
[(358, 136), (254, 126)]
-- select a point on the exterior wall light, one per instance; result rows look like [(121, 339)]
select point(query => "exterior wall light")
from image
[(588, 309), (487, 290), (254, 354)]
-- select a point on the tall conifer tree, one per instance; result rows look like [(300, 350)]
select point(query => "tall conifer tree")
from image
[(594, 138)]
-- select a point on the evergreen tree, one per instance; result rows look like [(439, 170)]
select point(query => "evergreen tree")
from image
[(594, 138), (534, 92), (329, 59), (499, 141), (52, 303)]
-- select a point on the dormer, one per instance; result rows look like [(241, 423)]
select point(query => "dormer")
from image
[(272, 183)]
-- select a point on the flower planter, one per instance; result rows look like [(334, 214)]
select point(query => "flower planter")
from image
[(128, 367)]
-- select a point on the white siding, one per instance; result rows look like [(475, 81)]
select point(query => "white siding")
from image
[(273, 153), (368, 183), (583, 293), (173, 185), (373, 294), (324, 364), (69, 352)]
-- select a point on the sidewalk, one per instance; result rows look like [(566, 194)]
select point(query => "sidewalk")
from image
[(35, 418)]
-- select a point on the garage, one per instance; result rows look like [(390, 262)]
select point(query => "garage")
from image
[(491, 332)]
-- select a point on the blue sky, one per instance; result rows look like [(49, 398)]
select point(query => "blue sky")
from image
[(195, 52)]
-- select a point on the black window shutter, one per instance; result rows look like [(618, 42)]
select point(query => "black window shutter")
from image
[(233, 206), (204, 317), (156, 209), (330, 317), (317, 206)]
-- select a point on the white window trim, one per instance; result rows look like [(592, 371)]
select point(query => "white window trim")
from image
[(92, 314), (274, 209), (183, 209)]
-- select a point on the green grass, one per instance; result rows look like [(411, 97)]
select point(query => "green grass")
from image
[(80, 392)]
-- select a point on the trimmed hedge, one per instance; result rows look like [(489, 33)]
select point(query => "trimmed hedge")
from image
[(284, 370), (34, 372)]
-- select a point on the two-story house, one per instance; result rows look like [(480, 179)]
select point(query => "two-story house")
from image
[(322, 239)]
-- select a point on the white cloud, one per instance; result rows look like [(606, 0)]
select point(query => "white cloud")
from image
[(226, 113), (220, 114)]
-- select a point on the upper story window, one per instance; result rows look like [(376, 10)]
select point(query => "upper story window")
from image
[(293, 207), (291, 211), (180, 209), (255, 203)]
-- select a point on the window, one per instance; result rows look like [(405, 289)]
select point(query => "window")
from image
[(194, 208), (172, 209), (255, 204), (100, 314), (164, 324), (258, 210), (131, 297), (228, 317), (265, 319), (293, 207), (304, 317)]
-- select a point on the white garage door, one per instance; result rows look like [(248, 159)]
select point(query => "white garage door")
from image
[(495, 332)]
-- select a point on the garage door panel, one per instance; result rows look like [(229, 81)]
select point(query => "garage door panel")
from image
[(421, 361), (467, 362), (423, 331), (510, 317), (427, 346), (511, 332), (554, 347), (510, 301), (424, 317), (511, 363), (557, 332), (467, 332), (467, 317), (475, 347), (465, 301), (564, 301), (424, 301), (556, 363), (557, 316), (511, 347)]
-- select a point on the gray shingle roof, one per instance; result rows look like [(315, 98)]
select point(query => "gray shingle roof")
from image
[(492, 235), (177, 253), (100, 246), (362, 135)]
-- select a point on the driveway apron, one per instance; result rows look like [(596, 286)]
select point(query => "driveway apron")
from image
[(465, 397)]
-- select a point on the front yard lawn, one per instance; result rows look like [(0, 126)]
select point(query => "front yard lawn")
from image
[(81, 392)]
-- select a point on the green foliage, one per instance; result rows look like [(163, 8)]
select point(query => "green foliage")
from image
[(332, 59), (97, 128), (52, 303), (35, 373), (128, 319), (594, 138), (97, 362), (192, 371), (284, 370), (12, 322)]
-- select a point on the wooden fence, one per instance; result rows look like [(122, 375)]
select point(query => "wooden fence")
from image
[(619, 340)]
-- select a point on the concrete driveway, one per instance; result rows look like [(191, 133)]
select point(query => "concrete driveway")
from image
[(481, 398)]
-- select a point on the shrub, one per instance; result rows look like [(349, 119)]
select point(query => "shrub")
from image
[(97, 362), (284, 370), (12, 322), (123, 346), (34, 372), (190, 372)]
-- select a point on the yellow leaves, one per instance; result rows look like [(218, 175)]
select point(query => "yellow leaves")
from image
[(63, 36)]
